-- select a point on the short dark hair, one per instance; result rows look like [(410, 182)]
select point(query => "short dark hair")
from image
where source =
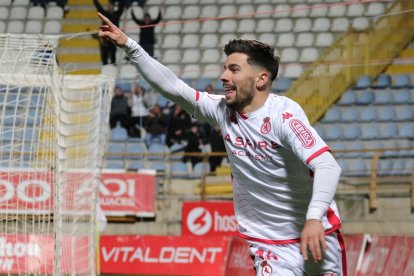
[(258, 53)]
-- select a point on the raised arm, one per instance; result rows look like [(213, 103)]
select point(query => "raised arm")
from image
[(158, 76)]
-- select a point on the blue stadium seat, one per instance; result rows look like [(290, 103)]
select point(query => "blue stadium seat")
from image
[(201, 84), (384, 166), (402, 81), (179, 170), (406, 130), (177, 151), (388, 130), (200, 169), (115, 151), (408, 169), (282, 84), (358, 167), (402, 96), (320, 129), (383, 97), (337, 146), (162, 102), (352, 132), (367, 114), (114, 165), (332, 115), (357, 147), (386, 114), (119, 134), (157, 151), (137, 149), (370, 131), (135, 166), (159, 166), (405, 113), (334, 132), (348, 98), (383, 81), (365, 97), (363, 82), (349, 115)]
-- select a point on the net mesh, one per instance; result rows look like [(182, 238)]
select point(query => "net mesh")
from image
[(52, 133)]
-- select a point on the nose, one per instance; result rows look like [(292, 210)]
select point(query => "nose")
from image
[(224, 76)]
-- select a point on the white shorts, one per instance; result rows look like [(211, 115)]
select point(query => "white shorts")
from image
[(286, 259)]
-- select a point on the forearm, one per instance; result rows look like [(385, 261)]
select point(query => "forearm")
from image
[(326, 178), (160, 77)]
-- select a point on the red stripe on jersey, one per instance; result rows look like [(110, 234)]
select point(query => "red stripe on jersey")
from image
[(197, 95), (316, 154)]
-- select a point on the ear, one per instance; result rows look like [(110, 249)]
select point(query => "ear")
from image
[(262, 80)]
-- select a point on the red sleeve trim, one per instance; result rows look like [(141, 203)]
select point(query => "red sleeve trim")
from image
[(197, 95), (316, 154)]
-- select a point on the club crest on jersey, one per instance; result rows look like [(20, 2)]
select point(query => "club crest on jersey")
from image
[(266, 269), (304, 134), (266, 126)]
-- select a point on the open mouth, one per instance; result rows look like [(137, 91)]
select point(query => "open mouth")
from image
[(228, 89)]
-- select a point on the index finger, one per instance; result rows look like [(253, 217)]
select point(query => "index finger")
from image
[(106, 20), (304, 248)]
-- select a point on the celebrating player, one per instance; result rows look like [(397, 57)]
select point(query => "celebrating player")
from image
[(284, 177)]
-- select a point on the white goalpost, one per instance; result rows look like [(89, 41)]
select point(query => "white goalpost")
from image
[(53, 129)]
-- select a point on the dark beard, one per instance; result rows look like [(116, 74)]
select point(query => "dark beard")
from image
[(243, 98)]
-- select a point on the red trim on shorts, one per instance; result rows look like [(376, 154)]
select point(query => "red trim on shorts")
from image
[(332, 218), (342, 245), (316, 154), (290, 241), (197, 95)]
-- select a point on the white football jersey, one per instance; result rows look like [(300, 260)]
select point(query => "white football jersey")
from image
[(269, 150)]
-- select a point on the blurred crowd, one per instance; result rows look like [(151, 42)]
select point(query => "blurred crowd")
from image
[(169, 125)]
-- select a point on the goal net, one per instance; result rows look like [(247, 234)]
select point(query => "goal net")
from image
[(52, 133)]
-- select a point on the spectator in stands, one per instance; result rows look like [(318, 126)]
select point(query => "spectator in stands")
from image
[(120, 110), (179, 122), (284, 176), (108, 49), (194, 141), (147, 33), (139, 110), (44, 3), (156, 126), (217, 146)]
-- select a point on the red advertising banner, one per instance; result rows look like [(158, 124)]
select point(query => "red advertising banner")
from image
[(24, 192), (239, 261), (401, 257), (163, 255), (377, 255), (26, 254), (212, 218), (355, 246), (123, 194)]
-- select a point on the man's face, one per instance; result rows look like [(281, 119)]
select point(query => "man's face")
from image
[(238, 80)]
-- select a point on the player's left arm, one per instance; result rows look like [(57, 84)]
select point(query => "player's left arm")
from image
[(297, 133), (326, 177)]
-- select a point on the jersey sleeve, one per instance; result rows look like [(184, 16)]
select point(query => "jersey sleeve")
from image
[(202, 105), (297, 134)]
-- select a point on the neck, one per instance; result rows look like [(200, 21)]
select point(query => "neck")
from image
[(257, 102)]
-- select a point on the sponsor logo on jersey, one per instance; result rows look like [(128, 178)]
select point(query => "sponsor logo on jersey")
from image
[(286, 116), (304, 134), (266, 126)]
